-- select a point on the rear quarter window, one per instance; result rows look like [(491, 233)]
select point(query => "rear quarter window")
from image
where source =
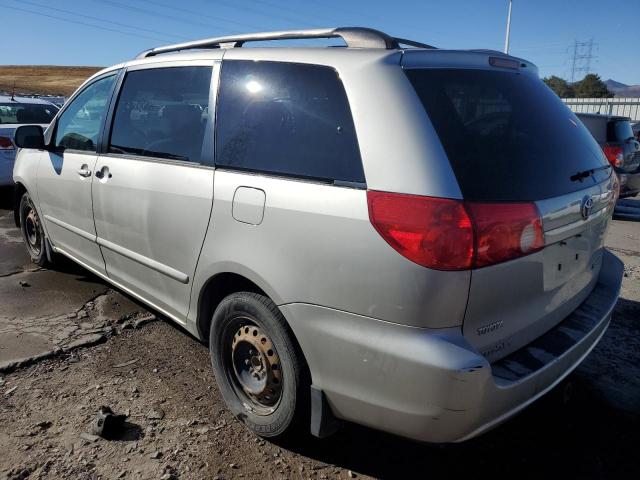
[(507, 136), (619, 131), (286, 119)]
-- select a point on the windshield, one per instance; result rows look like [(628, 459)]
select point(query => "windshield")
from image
[(507, 136), (27, 113)]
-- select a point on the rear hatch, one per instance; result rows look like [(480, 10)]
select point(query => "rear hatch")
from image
[(510, 139), (620, 136)]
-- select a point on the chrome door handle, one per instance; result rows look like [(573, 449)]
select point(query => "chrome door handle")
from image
[(84, 171)]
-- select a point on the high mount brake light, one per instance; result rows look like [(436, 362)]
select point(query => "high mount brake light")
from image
[(446, 234)]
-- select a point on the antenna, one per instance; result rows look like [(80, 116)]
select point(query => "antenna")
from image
[(13, 92), (506, 37), (582, 56)]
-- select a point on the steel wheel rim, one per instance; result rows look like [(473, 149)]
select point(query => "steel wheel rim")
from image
[(255, 369), (32, 231)]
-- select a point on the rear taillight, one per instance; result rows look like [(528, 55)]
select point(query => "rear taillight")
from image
[(447, 234), (6, 143), (433, 232), (505, 231), (614, 155)]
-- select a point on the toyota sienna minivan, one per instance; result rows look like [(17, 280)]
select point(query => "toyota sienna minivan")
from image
[(390, 234)]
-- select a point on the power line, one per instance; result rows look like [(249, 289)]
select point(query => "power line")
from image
[(68, 12), (161, 15), (378, 18), (77, 22), (279, 18), (200, 14), (296, 12)]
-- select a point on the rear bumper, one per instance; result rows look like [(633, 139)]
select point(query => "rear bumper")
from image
[(629, 184), (7, 159), (431, 385)]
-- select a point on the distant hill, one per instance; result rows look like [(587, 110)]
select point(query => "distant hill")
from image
[(43, 79), (623, 90)]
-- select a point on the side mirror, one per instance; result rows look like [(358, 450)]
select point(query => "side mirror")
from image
[(29, 136)]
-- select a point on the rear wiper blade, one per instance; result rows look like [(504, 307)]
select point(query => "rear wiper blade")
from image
[(578, 177)]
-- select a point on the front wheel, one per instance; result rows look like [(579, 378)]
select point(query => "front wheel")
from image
[(32, 231), (259, 367)]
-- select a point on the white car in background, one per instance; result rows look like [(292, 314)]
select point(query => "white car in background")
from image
[(16, 111)]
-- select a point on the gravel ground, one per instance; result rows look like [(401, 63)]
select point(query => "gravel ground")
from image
[(178, 427)]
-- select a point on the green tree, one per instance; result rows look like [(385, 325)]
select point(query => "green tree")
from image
[(591, 86), (560, 86)]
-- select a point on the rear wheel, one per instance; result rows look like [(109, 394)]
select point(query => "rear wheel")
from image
[(258, 366), (32, 231)]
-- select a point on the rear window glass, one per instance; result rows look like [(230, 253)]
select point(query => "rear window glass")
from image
[(508, 137), (27, 113), (286, 119), (619, 131), (163, 113)]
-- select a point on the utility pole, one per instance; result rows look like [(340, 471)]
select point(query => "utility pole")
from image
[(506, 39), (582, 56)]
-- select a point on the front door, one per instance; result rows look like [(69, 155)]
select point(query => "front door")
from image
[(65, 174), (153, 193)]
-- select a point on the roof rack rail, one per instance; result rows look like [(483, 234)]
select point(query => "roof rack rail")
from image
[(355, 37)]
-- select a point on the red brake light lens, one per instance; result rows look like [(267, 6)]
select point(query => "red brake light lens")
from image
[(505, 231), (432, 232), (6, 143), (446, 234), (614, 155)]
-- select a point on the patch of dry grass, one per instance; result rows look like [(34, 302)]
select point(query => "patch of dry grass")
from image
[(43, 79)]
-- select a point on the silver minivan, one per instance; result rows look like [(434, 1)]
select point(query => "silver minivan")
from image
[(390, 234)]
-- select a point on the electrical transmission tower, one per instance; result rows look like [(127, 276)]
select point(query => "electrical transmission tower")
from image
[(582, 56)]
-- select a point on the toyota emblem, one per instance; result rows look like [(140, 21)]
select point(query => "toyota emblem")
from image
[(587, 206)]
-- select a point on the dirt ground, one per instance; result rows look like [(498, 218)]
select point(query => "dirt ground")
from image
[(43, 79), (178, 427)]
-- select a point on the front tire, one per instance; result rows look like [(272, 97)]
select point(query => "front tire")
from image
[(259, 368), (32, 232)]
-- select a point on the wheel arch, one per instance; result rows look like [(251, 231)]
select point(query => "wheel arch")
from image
[(18, 190), (221, 284), (214, 290)]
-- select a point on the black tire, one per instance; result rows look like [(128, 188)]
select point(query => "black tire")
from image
[(251, 312), (32, 232)]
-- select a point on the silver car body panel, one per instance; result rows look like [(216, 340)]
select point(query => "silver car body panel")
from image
[(313, 245), (66, 206), (512, 303), (431, 384), (151, 216), (390, 343)]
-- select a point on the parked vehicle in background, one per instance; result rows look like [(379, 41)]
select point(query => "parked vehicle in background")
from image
[(406, 238), (636, 130), (16, 111), (620, 146)]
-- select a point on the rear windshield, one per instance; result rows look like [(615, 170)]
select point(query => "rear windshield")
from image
[(27, 113), (508, 137), (619, 131)]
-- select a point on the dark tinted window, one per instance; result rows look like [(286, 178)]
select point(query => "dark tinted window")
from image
[(27, 113), (507, 136), (619, 131), (79, 125), (162, 112), (287, 119)]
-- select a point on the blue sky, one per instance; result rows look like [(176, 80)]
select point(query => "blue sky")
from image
[(105, 32)]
